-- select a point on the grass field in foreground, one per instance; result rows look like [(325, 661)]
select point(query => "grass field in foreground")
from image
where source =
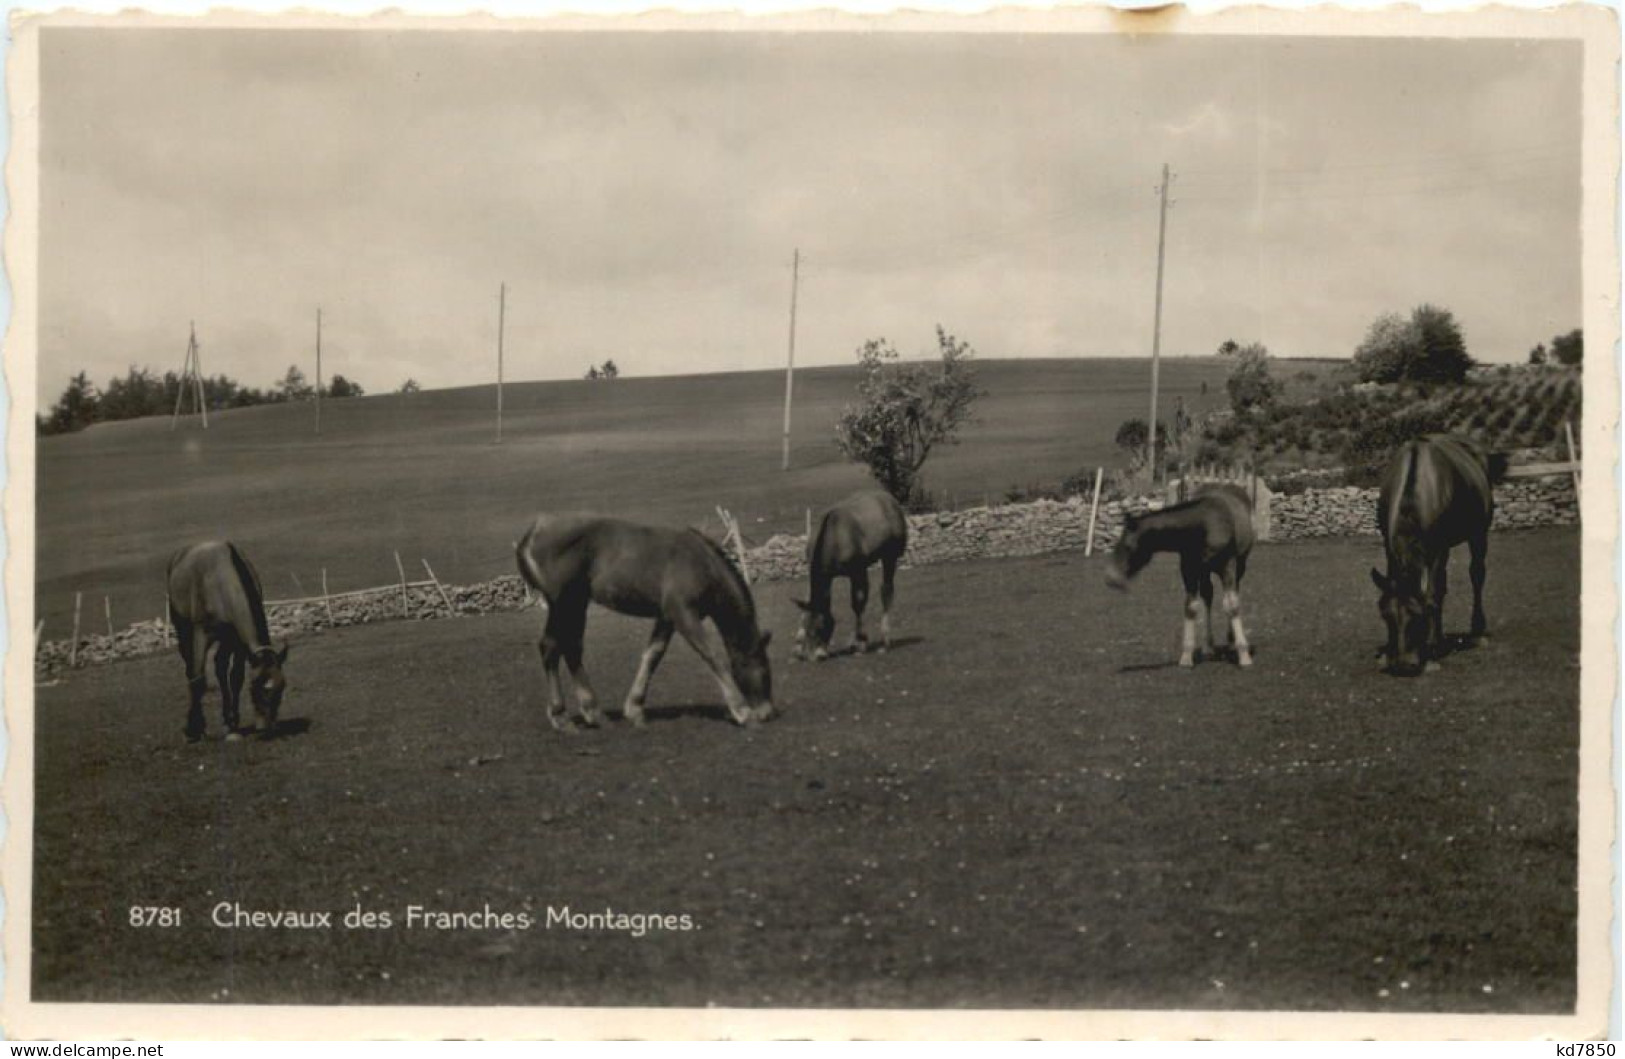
[(420, 474), (1024, 804)]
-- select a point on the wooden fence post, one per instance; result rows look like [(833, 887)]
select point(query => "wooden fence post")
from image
[(1568, 434), (326, 602), (405, 607), (731, 525), (39, 627), (1094, 505), (430, 571), (107, 610), (73, 648)]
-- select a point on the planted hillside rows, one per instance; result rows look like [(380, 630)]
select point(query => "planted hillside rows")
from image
[(1008, 531)]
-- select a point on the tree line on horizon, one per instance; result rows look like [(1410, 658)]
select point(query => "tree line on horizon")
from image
[(144, 392)]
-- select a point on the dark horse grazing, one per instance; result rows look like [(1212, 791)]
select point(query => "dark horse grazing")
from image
[(215, 601), (863, 529), (1435, 495), (678, 577), (1212, 534)]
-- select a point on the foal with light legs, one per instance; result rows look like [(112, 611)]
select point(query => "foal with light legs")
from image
[(678, 577), (1211, 534)]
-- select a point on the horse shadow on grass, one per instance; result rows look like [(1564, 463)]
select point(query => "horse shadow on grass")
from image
[(1219, 656), (288, 727), (897, 644), (705, 711)]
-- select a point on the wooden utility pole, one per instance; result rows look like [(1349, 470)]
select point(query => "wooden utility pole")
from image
[(790, 366), (318, 370), (191, 379), (502, 321), (1156, 328)]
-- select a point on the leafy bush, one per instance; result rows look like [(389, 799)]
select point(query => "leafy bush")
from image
[(905, 411), (1370, 447), (1427, 347)]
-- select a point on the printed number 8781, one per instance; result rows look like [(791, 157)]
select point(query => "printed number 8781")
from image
[(152, 916)]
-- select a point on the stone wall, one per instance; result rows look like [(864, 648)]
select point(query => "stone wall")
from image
[(1352, 512), (976, 533), (1051, 526)]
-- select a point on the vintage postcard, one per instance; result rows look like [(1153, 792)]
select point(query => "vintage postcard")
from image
[(1065, 523)]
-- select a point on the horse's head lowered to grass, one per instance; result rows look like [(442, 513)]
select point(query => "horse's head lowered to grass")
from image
[(268, 685), (754, 676), (1405, 611), (817, 628), (1134, 550)]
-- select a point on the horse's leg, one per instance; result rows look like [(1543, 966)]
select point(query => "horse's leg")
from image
[(551, 647), (694, 631), (223, 656), (1206, 585), (574, 632), (860, 600), (1231, 577), (1479, 545), (1191, 573), (193, 647), (659, 640), (888, 585), (1438, 585)]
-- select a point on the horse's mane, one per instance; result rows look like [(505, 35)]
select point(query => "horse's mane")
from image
[(256, 594), (735, 578)]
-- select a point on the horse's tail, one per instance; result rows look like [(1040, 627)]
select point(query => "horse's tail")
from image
[(527, 562), (1404, 519)]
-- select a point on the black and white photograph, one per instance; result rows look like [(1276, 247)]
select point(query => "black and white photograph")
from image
[(1051, 524)]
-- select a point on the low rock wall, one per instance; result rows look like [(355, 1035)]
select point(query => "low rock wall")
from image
[(1004, 531)]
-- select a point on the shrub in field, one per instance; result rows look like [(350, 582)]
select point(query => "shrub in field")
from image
[(1370, 447), (1132, 436), (1569, 349), (906, 410), (1426, 347), (1249, 383)]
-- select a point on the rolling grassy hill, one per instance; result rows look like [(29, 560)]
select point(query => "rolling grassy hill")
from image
[(420, 473)]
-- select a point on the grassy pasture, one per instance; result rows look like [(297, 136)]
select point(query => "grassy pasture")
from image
[(1025, 803), (420, 473)]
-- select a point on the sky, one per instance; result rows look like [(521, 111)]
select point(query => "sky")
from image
[(641, 196)]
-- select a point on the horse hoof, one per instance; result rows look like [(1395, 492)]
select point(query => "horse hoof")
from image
[(1245, 661), (1431, 667), (234, 737), (1187, 662)]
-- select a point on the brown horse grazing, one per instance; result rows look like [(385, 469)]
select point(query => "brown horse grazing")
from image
[(863, 529), (1212, 534), (678, 577), (215, 601), (1435, 495)]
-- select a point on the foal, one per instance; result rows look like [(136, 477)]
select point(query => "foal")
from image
[(1211, 534)]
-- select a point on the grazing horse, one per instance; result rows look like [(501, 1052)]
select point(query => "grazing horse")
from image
[(215, 601), (863, 529), (1435, 495), (1212, 534), (678, 577)]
